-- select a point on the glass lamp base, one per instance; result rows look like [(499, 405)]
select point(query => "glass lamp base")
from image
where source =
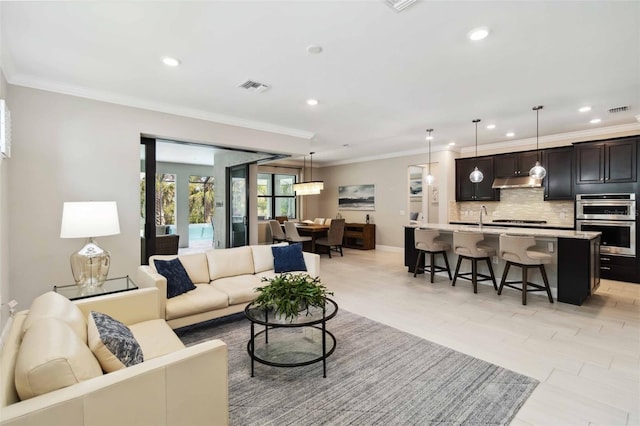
[(90, 265)]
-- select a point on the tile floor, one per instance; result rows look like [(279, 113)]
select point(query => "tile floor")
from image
[(587, 358)]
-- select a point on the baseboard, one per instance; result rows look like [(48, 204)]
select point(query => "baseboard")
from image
[(390, 248)]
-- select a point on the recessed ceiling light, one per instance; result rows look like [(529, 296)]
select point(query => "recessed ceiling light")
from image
[(585, 109), (510, 134), (314, 49), (491, 126), (170, 62), (312, 102), (452, 143), (595, 121), (478, 33), (429, 138)]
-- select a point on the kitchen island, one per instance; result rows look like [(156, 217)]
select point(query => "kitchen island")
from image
[(574, 273)]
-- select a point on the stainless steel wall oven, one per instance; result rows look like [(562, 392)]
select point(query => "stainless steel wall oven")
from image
[(614, 215)]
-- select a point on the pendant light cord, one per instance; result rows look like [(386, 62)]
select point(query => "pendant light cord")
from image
[(311, 173), (477, 120), (537, 110), (429, 140)]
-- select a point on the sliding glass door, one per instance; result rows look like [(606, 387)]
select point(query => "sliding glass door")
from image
[(238, 205)]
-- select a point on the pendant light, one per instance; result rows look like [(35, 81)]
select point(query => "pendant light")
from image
[(429, 179), (537, 171), (476, 175), (309, 187)]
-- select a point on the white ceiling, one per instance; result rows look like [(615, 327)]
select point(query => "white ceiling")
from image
[(382, 79)]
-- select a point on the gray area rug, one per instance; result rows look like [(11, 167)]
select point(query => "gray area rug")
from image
[(377, 375)]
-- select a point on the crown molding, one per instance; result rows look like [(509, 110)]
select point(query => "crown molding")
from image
[(418, 151), (130, 101), (557, 139)]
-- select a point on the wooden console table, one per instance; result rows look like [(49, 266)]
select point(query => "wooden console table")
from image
[(359, 236)]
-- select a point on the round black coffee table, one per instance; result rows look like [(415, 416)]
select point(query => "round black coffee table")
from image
[(286, 342)]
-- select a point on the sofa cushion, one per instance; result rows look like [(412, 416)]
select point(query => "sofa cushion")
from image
[(112, 342), (263, 257), (54, 305), (156, 338), (203, 299), (288, 259), (239, 289), (230, 262), (51, 357), (194, 263), (178, 280)]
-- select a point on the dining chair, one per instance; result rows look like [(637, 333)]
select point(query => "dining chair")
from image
[(292, 233), (333, 240), (277, 234)]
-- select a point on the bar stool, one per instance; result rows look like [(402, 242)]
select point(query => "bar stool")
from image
[(465, 245), (426, 242), (514, 250)]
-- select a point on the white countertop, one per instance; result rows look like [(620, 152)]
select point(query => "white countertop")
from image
[(497, 230)]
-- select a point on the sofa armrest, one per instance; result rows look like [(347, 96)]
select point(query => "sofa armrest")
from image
[(148, 278), (186, 387), (129, 307), (312, 261)]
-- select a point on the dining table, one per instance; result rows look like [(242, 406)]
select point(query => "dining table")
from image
[(312, 230)]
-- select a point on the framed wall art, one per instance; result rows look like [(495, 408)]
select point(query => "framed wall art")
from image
[(357, 197)]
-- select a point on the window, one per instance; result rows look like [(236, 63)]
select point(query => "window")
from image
[(276, 196)]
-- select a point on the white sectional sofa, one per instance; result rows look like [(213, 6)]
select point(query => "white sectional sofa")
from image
[(225, 281), (47, 362)]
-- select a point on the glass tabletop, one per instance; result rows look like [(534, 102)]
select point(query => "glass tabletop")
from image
[(312, 315), (111, 285)]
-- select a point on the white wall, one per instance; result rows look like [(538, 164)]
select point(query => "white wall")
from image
[(67, 148), (4, 223), (392, 204)]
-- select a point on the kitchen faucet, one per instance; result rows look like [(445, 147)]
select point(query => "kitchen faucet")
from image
[(485, 212)]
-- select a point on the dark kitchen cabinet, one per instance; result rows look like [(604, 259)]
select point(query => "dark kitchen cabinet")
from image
[(606, 161), (578, 269), (517, 164), (469, 191), (558, 184)]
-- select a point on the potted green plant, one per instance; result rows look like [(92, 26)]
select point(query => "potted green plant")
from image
[(289, 294)]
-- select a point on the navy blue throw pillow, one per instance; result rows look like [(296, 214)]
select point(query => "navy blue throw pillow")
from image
[(288, 258), (178, 280)]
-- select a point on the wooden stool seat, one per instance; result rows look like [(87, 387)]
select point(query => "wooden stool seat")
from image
[(466, 246), (426, 242), (514, 249)]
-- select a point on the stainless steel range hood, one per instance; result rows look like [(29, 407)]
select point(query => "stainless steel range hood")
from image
[(516, 182)]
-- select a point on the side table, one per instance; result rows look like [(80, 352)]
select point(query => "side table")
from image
[(111, 285)]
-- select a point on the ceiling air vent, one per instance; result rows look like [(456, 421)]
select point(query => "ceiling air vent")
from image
[(399, 5), (619, 109), (254, 86)]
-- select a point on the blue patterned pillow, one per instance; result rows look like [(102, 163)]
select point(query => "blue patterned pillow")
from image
[(178, 280), (112, 342), (288, 258)]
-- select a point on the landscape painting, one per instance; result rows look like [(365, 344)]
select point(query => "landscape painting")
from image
[(356, 197)]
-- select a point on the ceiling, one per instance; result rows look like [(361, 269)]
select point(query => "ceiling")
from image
[(382, 79)]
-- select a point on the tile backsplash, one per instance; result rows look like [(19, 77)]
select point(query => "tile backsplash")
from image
[(520, 204)]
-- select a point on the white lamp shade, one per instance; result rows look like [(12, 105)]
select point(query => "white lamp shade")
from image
[(89, 219), (308, 188)]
